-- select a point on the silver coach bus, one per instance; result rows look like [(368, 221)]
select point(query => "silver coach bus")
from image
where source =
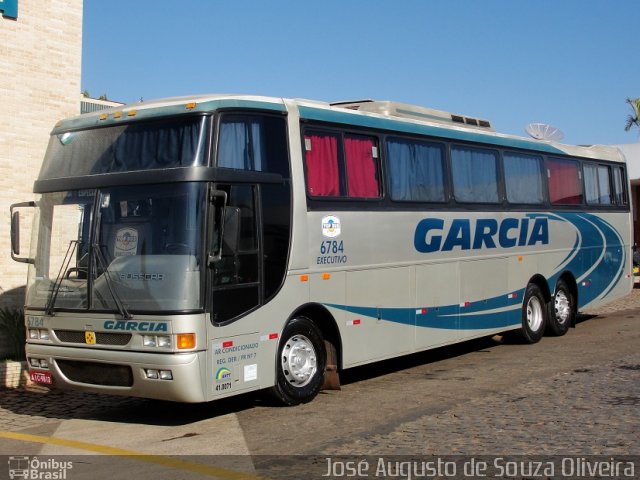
[(195, 248)]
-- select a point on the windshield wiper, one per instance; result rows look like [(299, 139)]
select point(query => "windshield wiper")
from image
[(102, 263), (48, 309)]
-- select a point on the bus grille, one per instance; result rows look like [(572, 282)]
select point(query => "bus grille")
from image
[(102, 338), (96, 373)]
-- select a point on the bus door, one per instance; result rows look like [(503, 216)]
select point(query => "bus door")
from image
[(236, 273), (250, 264)]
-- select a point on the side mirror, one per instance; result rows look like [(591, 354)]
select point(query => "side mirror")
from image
[(15, 231)]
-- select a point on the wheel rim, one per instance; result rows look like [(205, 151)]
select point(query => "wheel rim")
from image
[(299, 361), (562, 306), (534, 314)]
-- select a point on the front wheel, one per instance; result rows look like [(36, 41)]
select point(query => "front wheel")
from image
[(562, 310), (534, 314), (301, 363)]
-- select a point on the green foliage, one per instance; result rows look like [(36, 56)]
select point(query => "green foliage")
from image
[(12, 328), (634, 118)]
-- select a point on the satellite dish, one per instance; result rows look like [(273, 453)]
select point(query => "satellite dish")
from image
[(542, 131)]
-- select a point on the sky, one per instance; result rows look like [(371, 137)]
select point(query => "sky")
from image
[(567, 63)]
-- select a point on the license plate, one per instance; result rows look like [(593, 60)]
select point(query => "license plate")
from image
[(41, 377)]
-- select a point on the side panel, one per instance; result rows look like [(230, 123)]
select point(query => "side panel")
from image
[(386, 326), (438, 305)]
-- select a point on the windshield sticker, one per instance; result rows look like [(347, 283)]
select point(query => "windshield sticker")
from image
[(126, 242), (330, 226)]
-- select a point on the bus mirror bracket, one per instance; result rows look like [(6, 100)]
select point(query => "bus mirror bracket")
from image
[(15, 231)]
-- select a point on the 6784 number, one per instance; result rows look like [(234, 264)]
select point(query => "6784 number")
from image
[(331, 246)]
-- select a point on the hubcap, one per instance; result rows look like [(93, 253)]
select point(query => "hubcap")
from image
[(562, 306), (534, 314), (299, 361)]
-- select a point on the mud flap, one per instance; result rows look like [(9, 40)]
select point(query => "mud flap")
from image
[(331, 378)]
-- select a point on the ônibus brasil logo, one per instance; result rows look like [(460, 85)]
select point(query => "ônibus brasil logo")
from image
[(38, 469)]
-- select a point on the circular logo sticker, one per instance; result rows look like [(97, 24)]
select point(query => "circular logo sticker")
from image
[(330, 226)]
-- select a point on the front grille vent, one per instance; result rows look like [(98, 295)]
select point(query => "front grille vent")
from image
[(102, 338), (96, 373)]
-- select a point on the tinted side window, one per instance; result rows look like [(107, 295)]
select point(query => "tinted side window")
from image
[(474, 175), (565, 185), (341, 165), (416, 170), (597, 184), (523, 178), (321, 160), (619, 186), (361, 163), (253, 142)]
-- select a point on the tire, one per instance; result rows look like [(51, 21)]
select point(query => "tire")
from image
[(300, 363), (562, 310), (534, 314)]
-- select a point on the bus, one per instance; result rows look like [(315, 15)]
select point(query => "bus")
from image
[(196, 248)]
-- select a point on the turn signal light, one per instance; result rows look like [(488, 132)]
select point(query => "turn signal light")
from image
[(186, 341)]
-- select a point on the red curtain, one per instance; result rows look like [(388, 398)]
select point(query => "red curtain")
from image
[(361, 167), (564, 182), (322, 165)]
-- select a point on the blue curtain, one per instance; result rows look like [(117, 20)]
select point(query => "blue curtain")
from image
[(240, 144), (523, 178), (415, 170), (474, 175)]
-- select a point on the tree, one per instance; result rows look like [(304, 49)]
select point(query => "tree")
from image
[(634, 118)]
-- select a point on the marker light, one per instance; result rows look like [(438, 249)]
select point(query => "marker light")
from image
[(190, 105), (186, 340)]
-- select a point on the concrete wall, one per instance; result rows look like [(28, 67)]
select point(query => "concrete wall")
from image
[(40, 68)]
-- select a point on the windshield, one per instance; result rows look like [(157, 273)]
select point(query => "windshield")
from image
[(129, 147), (127, 249)]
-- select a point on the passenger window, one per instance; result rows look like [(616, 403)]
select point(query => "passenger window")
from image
[(321, 159), (342, 165), (474, 175), (597, 184), (619, 185), (565, 185), (361, 162), (416, 170), (523, 178)]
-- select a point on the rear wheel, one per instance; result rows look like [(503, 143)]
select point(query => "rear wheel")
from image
[(562, 310), (534, 314), (301, 363)]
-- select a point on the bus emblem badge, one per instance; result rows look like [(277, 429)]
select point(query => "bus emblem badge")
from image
[(330, 226), (90, 338), (126, 242)]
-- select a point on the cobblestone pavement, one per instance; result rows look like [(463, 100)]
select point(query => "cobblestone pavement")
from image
[(598, 405)]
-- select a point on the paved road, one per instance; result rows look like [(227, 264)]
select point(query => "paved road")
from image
[(575, 395)]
